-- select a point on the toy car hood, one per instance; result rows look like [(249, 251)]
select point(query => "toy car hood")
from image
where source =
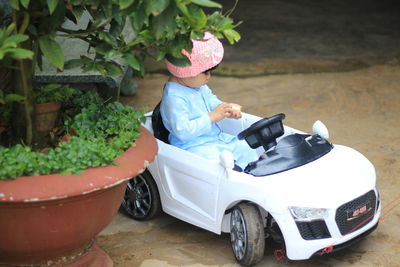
[(324, 182)]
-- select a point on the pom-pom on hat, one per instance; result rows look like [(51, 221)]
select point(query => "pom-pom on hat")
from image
[(206, 54)]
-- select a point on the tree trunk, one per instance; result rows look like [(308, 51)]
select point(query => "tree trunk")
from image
[(23, 121)]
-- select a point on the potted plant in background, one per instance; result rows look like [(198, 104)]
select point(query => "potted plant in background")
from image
[(53, 204), (48, 100)]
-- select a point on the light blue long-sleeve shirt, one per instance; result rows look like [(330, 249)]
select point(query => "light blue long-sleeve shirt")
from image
[(185, 115)]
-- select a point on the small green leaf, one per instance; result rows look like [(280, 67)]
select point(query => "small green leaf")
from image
[(113, 69), (206, 3), (155, 7), (103, 48), (14, 4), (174, 48), (32, 30), (125, 3), (89, 66), (52, 51), (134, 42), (13, 98), (196, 16), (9, 29), (181, 62), (52, 4), (182, 7), (107, 37), (194, 35), (17, 53), (232, 35), (164, 25), (161, 55), (112, 55), (25, 3), (74, 63), (138, 18), (132, 61), (115, 28), (15, 39), (77, 11)]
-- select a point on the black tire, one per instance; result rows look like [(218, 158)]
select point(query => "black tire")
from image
[(247, 234), (142, 200)]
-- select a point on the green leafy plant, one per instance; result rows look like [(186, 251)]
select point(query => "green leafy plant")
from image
[(9, 42), (103, 132), (160, 29), (9, 98), (53, 92)]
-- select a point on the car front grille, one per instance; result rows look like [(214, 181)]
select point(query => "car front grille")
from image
[(356, 213), (313, 230)]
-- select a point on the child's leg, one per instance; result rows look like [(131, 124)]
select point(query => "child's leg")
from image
[(243, 154)]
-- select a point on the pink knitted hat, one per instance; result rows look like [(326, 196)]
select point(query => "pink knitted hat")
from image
[(206, 53)]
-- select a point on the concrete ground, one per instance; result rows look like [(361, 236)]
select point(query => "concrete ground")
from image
[(356, 93)]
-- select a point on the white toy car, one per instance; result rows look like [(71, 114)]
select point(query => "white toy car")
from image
[(310, 195)]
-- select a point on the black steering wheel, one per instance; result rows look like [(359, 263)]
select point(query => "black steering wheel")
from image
[(263, 132)]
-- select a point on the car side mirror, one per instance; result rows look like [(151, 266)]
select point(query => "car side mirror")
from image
[(320, 129), (226, 159)]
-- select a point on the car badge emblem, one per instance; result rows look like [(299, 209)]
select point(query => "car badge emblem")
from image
[(355, 213)]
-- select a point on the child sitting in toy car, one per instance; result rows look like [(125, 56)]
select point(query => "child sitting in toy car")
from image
[(190, 111)]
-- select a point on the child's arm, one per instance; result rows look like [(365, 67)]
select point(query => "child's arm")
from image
[(175, 113)]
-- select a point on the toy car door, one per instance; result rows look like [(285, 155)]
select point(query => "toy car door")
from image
[(189, 185)]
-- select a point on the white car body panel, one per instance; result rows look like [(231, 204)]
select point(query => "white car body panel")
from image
[(199, 191)]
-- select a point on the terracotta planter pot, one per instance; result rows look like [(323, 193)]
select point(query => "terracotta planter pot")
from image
[(53, 219), (46, 115)]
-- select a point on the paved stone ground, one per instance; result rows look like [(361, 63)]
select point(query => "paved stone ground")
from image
[(356, 47)]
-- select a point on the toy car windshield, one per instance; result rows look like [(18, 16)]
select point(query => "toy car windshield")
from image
[(290, 152)]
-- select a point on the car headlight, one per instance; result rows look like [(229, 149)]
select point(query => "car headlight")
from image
[(308, 214)]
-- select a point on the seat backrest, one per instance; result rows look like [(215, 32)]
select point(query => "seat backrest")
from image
[(160, 132)]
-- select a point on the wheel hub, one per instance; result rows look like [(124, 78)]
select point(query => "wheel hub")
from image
[(238, 234), (138, 197)]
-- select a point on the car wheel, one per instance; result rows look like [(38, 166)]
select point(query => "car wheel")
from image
[(141, 200), (247, 234)]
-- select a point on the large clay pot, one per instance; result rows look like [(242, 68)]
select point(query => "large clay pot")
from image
[(53, 219)]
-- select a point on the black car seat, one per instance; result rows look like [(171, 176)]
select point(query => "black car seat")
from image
[(160, 132)]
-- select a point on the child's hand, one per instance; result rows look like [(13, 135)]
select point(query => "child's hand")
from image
[(235, 111), (225, 110)]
